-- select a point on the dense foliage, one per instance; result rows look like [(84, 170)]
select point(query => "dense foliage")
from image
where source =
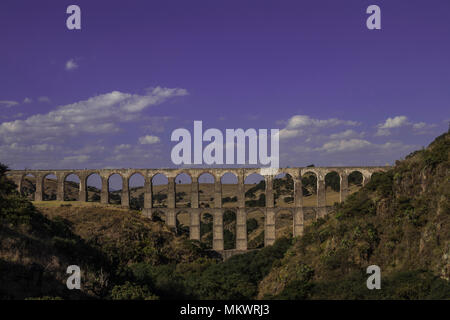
[(399, 221)]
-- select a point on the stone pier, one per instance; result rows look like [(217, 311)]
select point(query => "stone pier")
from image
[(241, 211)]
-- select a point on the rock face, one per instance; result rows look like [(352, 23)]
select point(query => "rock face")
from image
[(399, 221)]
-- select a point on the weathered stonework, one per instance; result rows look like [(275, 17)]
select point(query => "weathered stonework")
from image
[(270, 211)]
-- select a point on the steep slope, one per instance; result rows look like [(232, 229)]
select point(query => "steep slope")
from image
[(400, 221), (38, 243)]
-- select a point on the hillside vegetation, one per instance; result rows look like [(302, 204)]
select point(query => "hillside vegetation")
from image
[(37, 244), (398, 221)]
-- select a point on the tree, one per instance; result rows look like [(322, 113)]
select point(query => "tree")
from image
[(6, 185)]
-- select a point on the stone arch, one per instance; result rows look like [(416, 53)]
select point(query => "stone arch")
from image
[(332, 187), (230, 189), (284, 223), (71, 187), (370, 175), (115, 185), (309, 188), (229, 229), (374, 174), (206, 228), (255, 190), (136, 182), (182, 223), (367, 174), (255, 228), (49, 186), (160, 190), (355, 181), (206, 185), (207, 176), (283, 190), (28, 186), (183, 190), (94, 186)]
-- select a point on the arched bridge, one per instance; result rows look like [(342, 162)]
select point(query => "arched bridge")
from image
[(217, 210)]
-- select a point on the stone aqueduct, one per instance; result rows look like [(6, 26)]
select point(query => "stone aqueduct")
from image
[(217, 211)]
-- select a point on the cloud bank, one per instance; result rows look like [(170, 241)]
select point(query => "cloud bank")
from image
[(84, 123)]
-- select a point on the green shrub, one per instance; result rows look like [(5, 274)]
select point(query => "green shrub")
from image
[(129, 291)]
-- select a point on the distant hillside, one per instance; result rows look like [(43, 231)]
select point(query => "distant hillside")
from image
[(400, 221), (71, 190)]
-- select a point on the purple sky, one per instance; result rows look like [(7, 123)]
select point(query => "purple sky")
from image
[(111, 94)]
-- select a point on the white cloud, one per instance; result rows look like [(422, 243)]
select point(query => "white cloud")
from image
[(419, 125), (385, 128), (99, 114), (382, 132), (85, 125), (290, 133), (44, 99), (71, 65), (302, 125), (334, 141), (27, 100), (300, 121), (424, 128), (8, 103), (148, 139), (394, 122), (346, 134), (345, 145), (122, 147)]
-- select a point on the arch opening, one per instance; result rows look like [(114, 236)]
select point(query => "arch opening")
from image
[(182, 224), (229, 229), (28, 186), (136, 187), (115, 183), (283, 190), (255, 229), (229, 185), (255, 191), (49, 187), (94, 187), (332, 188), (376, 176), (206, 190), (355, 182), (206, 229), (183, 190), (309, 189), (71, 187), (284, 222), (160, 186)]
